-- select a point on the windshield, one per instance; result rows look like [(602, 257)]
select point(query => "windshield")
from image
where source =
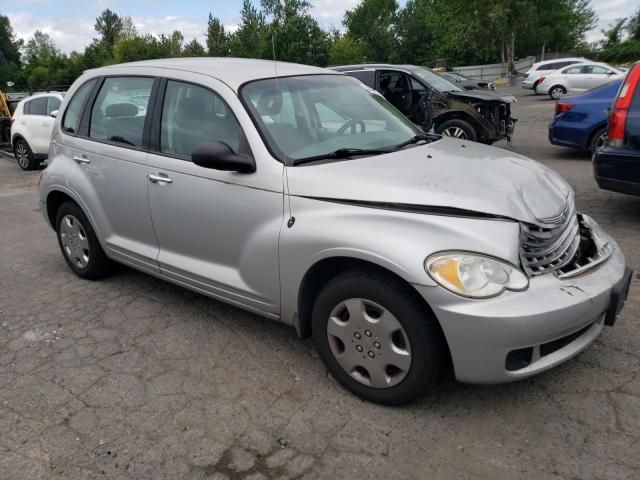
[(436, 81), (314, 115)]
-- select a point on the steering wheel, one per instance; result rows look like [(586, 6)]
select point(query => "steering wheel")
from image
[(352, 124)]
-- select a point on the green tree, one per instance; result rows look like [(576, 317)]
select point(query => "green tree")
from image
[(109, 25), (171, 45), (41, 50), (345, 50), (38, 78), (194, 49), (294, 34), (9, 53), (633, 26), (372, 23), (217, 38), (250, 40)]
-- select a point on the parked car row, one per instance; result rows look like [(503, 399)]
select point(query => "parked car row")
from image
[(309, 198)]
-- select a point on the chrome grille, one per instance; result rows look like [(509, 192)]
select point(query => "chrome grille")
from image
[(545, 249)]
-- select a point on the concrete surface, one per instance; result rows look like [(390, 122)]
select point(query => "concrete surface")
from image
[(132, 377)]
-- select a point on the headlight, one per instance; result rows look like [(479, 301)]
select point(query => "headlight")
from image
[(474, 275)]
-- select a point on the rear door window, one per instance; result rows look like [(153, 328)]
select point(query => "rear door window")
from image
[(37, 106), (573, 70), (120, 110), (73, 113)]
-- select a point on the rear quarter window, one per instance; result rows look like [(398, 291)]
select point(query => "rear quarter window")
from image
[(72, 115)]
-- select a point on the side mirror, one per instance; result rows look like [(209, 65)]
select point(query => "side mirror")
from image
[(54, 113), (611, 73), (219, 156)]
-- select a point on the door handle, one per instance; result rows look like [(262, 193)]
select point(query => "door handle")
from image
[(158, 177), (81, 159)]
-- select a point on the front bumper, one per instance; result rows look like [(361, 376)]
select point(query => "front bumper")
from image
[(554, 319)]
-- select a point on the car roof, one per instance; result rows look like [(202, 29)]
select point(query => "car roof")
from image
[(232, 71), (373, 66), (568, 59)]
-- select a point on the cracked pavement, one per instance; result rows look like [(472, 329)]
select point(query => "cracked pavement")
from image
[(132, 377)]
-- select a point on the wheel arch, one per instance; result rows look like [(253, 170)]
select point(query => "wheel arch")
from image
[(600, 126), (15, 137), (323, 271), (481, 130)]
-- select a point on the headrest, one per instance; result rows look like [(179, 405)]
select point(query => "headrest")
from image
[(121, 110), (270, 102)]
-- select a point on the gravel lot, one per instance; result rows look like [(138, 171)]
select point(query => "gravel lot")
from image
[(132, 377)]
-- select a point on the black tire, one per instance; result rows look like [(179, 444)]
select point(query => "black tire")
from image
[(24, 155), (457, 125), (427, 345), (557, 91), (98, 264), (598, 140)]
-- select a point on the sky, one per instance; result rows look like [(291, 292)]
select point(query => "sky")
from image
[(70, 22)]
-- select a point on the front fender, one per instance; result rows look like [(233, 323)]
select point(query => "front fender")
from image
[(397, 241)]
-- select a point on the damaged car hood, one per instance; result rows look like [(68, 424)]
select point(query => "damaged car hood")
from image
[(486, 96), (445, 176)]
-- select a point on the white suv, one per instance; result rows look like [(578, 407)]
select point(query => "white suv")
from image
[(540, 69), (31, 127)]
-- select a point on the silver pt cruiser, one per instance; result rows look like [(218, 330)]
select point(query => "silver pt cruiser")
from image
[(302, 195)]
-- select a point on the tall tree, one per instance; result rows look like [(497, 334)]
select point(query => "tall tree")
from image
[(633, 26), (9, 53), (293, 35), (109, 25), (372, 23), (41, 50), (250, 39), (217, 38)]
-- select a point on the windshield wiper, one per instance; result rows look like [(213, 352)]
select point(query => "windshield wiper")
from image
[(342, 153), (415, 139)]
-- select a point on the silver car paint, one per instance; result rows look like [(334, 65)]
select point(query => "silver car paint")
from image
[(246, 253)]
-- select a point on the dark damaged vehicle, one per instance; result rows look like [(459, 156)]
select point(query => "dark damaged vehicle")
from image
[(429, 100)]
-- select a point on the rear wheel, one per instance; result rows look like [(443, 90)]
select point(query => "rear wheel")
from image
[(457, 128), (24, 155), (377, 338), (557, 91), (598, 140), (79, 243)]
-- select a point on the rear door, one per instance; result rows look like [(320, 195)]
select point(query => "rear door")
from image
[(37, 125), (218, 231), (110, 156)]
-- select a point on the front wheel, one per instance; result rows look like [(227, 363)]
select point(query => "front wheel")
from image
[(557, 91), (377, 338), (457, 128)]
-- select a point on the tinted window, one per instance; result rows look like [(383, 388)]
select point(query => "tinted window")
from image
[(120, 110), (192, 115), (54, 104), (72, 115), (37, 106), (365, 76)]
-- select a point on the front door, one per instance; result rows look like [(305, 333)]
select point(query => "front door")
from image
[(218, 231), (395, 86)]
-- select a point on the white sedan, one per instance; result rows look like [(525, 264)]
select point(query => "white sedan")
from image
[(577, 79)]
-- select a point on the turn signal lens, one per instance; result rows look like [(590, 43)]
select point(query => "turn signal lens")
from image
[(474, 275)]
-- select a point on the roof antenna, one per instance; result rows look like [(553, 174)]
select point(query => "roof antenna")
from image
[(275, 62), (292, 219)]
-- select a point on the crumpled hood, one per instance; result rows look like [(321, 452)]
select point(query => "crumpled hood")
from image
[(448, 173), (484, 95)]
